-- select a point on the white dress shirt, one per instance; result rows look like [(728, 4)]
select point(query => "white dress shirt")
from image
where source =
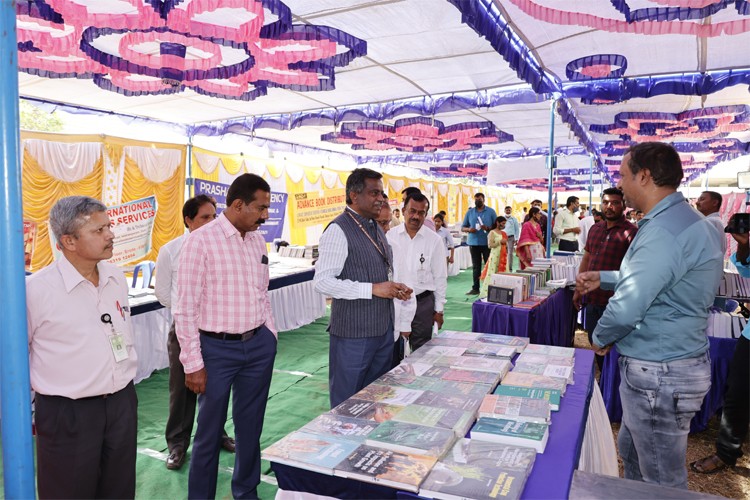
[(167, 264), (333, 249), (407, 268), (565, 219), (70, 353), (585, 225)]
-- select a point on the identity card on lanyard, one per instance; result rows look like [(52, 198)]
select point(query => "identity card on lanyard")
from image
[(116, 340)]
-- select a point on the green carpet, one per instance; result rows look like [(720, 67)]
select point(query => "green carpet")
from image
[(299, 392)]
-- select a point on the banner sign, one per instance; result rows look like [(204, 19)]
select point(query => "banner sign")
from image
[(132, 224), (317, 207), (271, 229), (29, 242)]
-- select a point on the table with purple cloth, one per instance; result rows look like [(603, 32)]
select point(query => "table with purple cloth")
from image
[(550, 323), (721, 351), (550, 477)]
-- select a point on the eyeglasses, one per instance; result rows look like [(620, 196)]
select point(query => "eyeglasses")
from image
[(385, 224)]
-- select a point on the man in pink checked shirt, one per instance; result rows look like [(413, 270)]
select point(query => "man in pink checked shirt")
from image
[(227, 336)]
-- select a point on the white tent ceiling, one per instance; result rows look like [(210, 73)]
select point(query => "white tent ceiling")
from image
[(423, 52)]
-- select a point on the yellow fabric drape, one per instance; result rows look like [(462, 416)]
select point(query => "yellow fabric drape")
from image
[(297, 235), (170, 196), (40, 192), (199, 173)]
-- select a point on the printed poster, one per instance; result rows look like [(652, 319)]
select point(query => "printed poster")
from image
[(29, 242), (132, 223), (317, 207)]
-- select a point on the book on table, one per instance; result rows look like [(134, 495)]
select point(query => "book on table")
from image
[(471, 389), (353, 429), (555, 371), (530, 380), (388, 394), (453, 401), (473, 376), (438, 350), (407, 381), (411, 367), (458, 421), (453, 334), (310, 451), (499, 366), (497, 471), (369, 410), (450, 342), (501, 430), (412, 438), (545, 359), (550, 395), (551, 350), (376, 465), (519, 343), (516, 408), (486, 349)]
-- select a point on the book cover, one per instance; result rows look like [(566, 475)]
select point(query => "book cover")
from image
[(492, 365), (310, 451), (449, 342), (436, 372), (462, 388), (555, 371), (551, 350), (453, 401), (515, 408), (368, 410), (353, 429), (388, 394), (386, 467), (438, 350), (519, 343), (411, 367), (452, 334), (480, 469), (458, 421), (530, 380), (545, 359), (550, 395), (472, 376), (511, 432), (487, 349), (407, 381), (407, 437)]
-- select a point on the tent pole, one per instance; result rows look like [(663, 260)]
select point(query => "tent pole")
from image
[(591, 185), (15, 389), (551, 166)]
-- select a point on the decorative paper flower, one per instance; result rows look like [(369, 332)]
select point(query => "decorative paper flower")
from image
[(225, 48), (461, 170), (597, 66), (417, 135)]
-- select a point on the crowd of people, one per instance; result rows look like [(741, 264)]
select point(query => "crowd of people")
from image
[(646, 288)]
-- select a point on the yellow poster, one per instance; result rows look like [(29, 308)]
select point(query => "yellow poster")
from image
[(316, 207)]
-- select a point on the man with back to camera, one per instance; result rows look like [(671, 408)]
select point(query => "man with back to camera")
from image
[(566, 225), (355, 268), (82, 360), (196, 212), (605, 248), (477, 222), (513, 230), (658, 315), (709, 204), (419, 261), (227, 335)]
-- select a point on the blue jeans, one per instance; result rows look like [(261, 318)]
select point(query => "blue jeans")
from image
[(658, 402)]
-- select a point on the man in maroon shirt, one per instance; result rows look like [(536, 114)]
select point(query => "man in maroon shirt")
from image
[(606, 245)]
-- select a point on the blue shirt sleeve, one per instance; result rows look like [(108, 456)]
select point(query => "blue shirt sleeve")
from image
[(466, 222), (742, 269)]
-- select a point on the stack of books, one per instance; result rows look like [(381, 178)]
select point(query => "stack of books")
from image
[(734, 285)]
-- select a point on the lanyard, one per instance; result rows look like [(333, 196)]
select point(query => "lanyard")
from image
[(377, 247)]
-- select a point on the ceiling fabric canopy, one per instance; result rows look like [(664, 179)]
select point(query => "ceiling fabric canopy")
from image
[(475, 89)]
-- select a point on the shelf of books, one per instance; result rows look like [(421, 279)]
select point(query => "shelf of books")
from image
[(468, 415)]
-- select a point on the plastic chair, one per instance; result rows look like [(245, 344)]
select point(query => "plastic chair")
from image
[(147, 267)]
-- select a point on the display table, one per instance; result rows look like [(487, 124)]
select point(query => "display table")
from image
[(721, 351), (294, 303), (553, 470), (461, 260), (550, 323)]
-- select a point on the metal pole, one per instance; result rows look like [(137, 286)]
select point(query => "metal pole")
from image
[(15, 388), (551, 166), (591, 186)]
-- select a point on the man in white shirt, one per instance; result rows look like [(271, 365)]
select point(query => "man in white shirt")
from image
[(709, 204), (419, 263), (566, 225), (585, 225), (513, 230), (196, 212)]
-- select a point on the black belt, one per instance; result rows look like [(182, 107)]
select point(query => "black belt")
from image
[(424, 294), (232, 336), (88, 398)]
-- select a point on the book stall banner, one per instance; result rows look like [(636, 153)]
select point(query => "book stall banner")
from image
[(132, 224), (317, 207), (29, 242), (274, 225)]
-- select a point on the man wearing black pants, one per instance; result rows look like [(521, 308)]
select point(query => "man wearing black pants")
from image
[(566, 226), (477, 223)]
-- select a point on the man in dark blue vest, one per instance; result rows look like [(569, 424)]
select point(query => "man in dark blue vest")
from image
[(355, 268)]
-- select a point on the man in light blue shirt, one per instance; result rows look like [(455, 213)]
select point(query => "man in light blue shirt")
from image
[(477, 222), (735, 415), (657, 316), (513, 230)]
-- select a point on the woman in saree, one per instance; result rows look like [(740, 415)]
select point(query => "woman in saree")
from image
[(497, 240), (530, 245)]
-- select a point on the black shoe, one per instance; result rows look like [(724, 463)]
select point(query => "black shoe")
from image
[(228, 444), (473, 291), (176, 459)]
